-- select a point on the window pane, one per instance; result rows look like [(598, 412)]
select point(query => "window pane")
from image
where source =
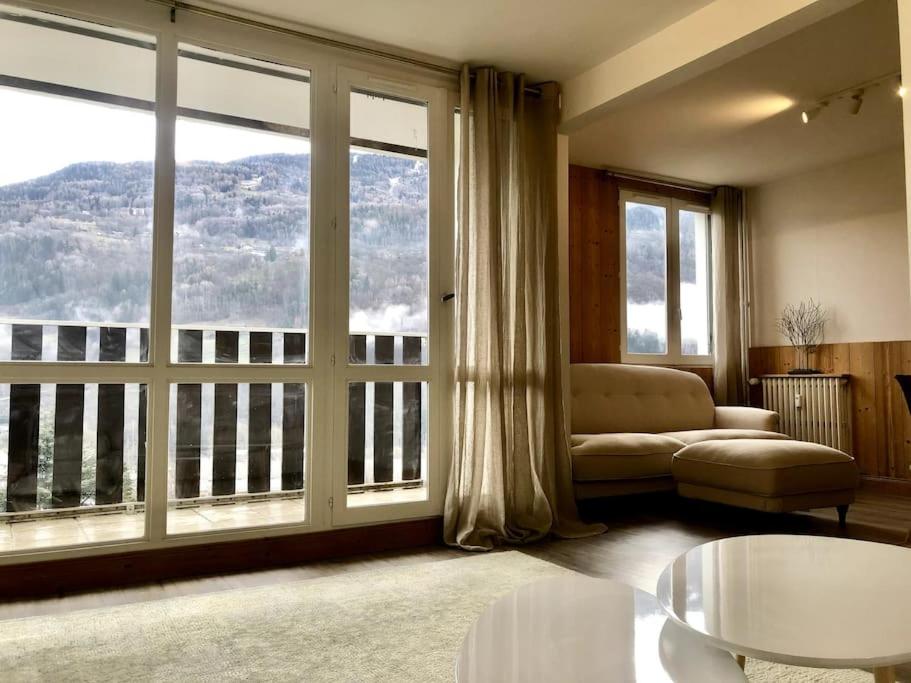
[(387, 442), (242, 212), (236, 455), (389, 231), (49, 48), (68, 453), (76, 190), (695, 288), (646, 278)]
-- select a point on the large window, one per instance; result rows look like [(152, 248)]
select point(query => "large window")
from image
[(210, 322), (666, 281), (77, 150), (241, 290)]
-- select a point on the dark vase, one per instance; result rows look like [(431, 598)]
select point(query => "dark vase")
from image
[(803, 359)]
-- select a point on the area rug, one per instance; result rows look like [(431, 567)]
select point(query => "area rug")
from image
[(401, 623), (766, 672)]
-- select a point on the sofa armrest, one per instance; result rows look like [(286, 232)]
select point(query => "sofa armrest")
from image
[(740, 417)]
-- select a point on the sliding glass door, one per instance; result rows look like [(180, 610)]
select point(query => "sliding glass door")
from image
[(389, 355), (221, 270), (240, 293)]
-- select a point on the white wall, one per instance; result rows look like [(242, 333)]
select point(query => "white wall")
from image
[(839, 235)]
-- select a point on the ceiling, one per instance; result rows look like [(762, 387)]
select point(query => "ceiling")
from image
[(546, 40), (740, 124)]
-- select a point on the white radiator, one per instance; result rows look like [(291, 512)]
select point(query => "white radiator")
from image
[(812, 407)]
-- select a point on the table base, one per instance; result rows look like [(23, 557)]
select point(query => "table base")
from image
[(881, 674)]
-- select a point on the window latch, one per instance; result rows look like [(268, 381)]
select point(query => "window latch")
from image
[(449, 296)]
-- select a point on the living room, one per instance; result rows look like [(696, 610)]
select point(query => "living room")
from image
[(418, 342)]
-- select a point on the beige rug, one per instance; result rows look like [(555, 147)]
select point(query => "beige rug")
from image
[(401, 624), (767, 672)]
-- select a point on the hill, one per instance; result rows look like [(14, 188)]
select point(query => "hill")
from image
[(76, 244)]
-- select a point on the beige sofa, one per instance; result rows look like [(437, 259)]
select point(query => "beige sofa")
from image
[(628, 421), (640, 428)]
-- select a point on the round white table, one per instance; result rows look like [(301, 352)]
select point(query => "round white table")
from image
[(803, 600), (577, 628)]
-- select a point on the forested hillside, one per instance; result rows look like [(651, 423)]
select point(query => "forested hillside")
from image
[(76, 244)]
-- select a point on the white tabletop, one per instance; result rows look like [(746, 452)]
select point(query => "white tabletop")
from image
[(578, 628), (804, 600)]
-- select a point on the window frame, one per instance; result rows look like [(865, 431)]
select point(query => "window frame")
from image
[(674, 354), (324, 340), (439, 263)]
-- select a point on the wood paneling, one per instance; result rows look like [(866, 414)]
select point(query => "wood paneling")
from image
[(594, 267), (881, 422), (594, 263), (54, 577)]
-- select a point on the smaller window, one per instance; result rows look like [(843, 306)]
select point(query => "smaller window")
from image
[(666, 282)]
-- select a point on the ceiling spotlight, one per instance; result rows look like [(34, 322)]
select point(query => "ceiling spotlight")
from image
[(808, 115), (857, 101), (900, 89)]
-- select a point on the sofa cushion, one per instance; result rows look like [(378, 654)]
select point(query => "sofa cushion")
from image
[(696, 435), (765, 467), (604, 457), (609, 397)]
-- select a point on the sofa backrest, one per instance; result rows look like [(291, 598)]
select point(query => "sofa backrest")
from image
[(609, 397)]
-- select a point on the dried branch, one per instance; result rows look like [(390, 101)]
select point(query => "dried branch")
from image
[(803, 325)]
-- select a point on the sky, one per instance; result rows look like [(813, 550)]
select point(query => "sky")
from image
[(40, 134)]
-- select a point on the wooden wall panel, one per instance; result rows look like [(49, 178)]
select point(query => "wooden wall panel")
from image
[(881, 422), (594, 267)]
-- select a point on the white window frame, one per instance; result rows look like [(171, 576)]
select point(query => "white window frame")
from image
[(328, 313), (440, 279), (674, 354)]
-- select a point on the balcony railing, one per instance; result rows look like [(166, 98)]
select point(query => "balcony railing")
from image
[(65, 453)]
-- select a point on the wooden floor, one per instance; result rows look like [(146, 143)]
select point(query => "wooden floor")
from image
[(645, 534)]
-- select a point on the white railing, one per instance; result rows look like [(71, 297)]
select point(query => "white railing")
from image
[(77, 447)]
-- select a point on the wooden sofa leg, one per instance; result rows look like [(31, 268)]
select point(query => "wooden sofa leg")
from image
[(843, 515)]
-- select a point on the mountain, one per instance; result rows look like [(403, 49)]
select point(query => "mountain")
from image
[(646, 244), (76, 244)]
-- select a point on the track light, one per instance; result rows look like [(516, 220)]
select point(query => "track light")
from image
[(854, 96), (808, 115)]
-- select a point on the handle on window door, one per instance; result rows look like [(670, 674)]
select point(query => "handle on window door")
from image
[(449, 296)]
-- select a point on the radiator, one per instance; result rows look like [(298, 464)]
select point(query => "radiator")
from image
[(812, 407)]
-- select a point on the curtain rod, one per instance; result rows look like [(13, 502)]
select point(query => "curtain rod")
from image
[(662, 183), (313, 37)]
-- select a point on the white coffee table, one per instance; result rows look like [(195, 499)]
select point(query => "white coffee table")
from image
[(578, 628), (803, 600)]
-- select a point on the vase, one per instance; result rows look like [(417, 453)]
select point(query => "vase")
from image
[(802, 358)]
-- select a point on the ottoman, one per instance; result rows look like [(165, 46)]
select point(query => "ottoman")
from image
[(767, 475)]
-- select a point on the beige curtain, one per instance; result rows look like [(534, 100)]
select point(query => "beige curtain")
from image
[(510, 480), (729, 248)]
